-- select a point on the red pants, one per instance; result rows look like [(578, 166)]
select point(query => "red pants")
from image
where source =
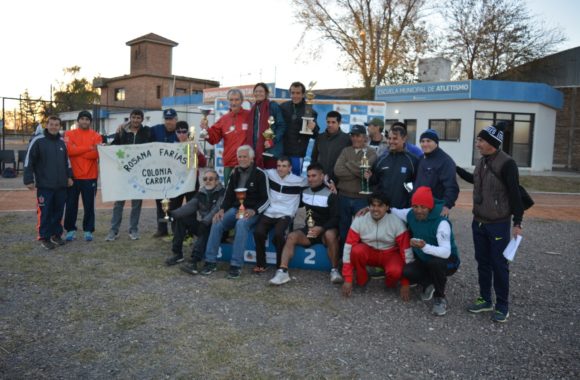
[(362, 255)]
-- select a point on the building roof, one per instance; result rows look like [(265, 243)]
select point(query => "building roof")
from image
[(152, 37), (104, 82)]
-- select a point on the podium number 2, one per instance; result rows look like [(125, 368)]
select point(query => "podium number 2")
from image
[(309, 260)]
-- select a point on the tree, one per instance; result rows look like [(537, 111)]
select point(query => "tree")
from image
[(76, 94), (30, 112), (487, 37), (380, 39)]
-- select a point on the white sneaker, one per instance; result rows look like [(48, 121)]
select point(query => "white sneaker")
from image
[(134, 235), (428, 293), (112, 236), (280, 278), (335, 277)]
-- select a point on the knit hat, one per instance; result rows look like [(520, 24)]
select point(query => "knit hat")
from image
[(493, 134), (430, 134), (423, 197), (85, 114)]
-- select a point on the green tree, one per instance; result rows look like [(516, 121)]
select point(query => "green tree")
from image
[(76, 94), (31, 112)]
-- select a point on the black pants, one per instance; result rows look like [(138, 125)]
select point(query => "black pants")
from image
[(434, 271), (174, 203), (261, 230)]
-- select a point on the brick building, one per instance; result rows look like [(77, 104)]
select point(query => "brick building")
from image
[(150, 78)]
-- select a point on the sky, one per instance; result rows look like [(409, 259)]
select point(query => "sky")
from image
[(234, 42)]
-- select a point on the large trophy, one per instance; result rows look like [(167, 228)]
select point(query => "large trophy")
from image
[(241, 196), (269, 136), (205, 111), (309, 223), (165, 207), (308, 114), (191, 144), (364, 166)]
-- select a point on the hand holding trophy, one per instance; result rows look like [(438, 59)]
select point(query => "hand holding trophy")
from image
[(205, 111), (269, 137), (308, 114), (310, 224), (364, 181)]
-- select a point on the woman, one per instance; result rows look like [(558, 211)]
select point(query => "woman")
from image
[(261, 111)]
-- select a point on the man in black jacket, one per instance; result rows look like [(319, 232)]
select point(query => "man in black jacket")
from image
[(47, 169), (255, 184), (329, 145), (296, 143)]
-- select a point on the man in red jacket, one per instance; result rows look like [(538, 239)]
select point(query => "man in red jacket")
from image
[(81, 144)]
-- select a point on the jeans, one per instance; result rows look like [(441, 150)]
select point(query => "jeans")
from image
[(118, 215), (242, 232), (297, 165), (87, 190)]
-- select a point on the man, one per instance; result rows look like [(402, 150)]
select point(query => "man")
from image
[(296, 143), (328, 146), (133, 133), (285, 189), (207, 202), (378, 141), (47, 168), (437, 171), (81, 144), (322, 206), (247, 176), (435, 256), (496, 197), (409, 147), (377, 239), (232, 128), (348, 174), (395, 168)]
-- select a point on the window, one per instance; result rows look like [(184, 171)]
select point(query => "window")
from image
[(411, 130), (447, 129), (119, 94), (158, 92)]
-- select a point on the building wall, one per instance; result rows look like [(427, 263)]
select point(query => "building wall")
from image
[(149, 58), (567, 138)]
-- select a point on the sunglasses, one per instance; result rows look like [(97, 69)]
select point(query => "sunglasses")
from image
[(209, 178), (181, 131)]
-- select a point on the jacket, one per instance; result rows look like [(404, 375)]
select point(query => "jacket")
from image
[(323, 204), (257, 140), (160, 134), (295, 143), (327, 148), (284, 194), (127, 137), (232, 128), (46, 163), (437, 171), (390, 172), (209, 202), (256, 194), (348, 173), (81, 145)]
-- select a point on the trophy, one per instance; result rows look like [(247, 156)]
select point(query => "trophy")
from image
[(205, 111), (191, 138), (165, 207), (269, 136), (308, 115), (309, 223), (364, 166), (241, 196)]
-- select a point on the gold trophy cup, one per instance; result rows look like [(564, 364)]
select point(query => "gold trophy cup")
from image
[(364, 182), (205, 111), (165, 207), (269, 136), (192, 143), (241, 196), (309, 223), (308, 115)]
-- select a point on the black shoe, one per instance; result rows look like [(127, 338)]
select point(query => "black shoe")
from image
[(57, 240), (160, 234), (190, 268), (208, 269), (173, 260), (235, 272), (47, 244)]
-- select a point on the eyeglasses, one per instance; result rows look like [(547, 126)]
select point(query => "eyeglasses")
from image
[(209, 178), (181, 131)]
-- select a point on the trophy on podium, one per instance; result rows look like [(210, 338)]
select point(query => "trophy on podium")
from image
[(309, 223), (269, 136), (205, 111), (308, 114), (364, 166), (241, 196)]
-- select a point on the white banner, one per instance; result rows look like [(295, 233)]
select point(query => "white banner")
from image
[(146, 171)]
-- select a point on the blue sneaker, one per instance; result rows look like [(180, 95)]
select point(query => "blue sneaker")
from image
[(88, 236), (480, 305), (71, 235), (500, 317)]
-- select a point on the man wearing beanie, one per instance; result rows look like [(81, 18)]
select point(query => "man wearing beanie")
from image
[(437, 171), (496, 198), (81, 144), (435, 255)]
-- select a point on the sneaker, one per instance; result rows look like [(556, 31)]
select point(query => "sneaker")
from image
[(480, 305), (112, 236), (500, 317), (88, 236), (134, 235), (174, 260), (57, 240), (190, 268), (159, 234), (208, 269), (439, 306), (71, 235), (234, 272), (335, 277), (47, 244), (428, 293), (280, 278)]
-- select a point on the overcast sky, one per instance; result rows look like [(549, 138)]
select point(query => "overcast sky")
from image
[(234, 42)]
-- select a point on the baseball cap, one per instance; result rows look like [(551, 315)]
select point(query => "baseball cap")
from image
[(169, 113), (358, 129), (376, 121)]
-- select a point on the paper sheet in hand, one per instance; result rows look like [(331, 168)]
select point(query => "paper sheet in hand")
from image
[(510, 251)]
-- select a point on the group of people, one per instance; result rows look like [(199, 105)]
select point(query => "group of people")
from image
[(402, 227)]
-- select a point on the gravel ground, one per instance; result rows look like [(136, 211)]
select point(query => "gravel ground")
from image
[(113, 310)]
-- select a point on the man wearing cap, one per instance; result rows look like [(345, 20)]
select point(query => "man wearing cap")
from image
[(377, 239), (347, 172), (435, 255), (496, 198), (81, 145), (375, 130), (437, 171)]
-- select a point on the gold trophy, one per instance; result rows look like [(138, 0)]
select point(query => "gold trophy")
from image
[(205, 111), (165, 207), (364, 166), (269, 136), (309, 223), (190, 144), (308, 115), (241, 196)]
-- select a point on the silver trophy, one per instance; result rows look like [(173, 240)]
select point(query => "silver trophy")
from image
[(308, 114), (205, 111)]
